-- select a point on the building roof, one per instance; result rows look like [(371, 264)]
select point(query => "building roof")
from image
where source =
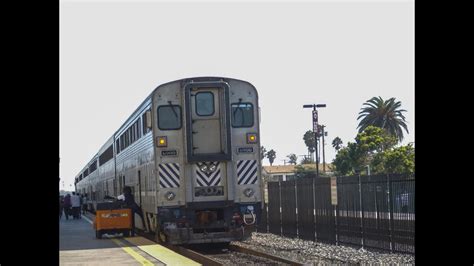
[(282, 169)]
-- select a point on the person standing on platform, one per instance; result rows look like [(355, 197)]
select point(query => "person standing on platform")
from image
[(61, 207), (67, 206), (84, 203), (130, 203), (76, 205)]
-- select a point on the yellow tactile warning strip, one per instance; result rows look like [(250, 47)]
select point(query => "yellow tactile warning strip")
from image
[(132, 253), (161, 253)]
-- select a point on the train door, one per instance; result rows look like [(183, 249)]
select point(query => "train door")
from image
[(139, 188), (208, 138), (206, 126), (207, 122)]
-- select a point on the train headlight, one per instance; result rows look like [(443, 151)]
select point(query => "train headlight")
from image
[(161, 141), (170, 195), (212, 168), (248, 192), (252, 138), (203, 167)]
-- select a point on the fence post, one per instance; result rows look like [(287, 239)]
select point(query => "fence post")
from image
[(376, 208), (314, 209), (266, 214), (336, 213), (296, 210), (279, 203), (390, 205), (361, 211)]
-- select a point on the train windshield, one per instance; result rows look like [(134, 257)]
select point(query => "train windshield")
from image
[(205, 103), (242, 115), (169, 117)]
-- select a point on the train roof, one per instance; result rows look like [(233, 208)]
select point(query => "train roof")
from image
[(147, 101), (183, 81)]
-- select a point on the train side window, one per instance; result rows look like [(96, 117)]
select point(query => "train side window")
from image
[(93, 166), (117, 146), (132, 133), (242, 115), (107, 155), (169, 117), (137, 128), (204, 103), (145, 120)]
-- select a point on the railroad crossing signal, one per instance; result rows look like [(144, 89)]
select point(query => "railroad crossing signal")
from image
[(315, 121)]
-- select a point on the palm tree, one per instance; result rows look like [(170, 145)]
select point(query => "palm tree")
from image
[(337, 143), (292, 158), (383, 114), (271, 155)]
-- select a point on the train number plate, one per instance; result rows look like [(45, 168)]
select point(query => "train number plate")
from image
[(245, 150), (169, 153)]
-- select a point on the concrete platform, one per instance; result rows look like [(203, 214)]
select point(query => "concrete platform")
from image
[(78, 246)]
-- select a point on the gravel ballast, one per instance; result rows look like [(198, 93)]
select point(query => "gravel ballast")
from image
[(310, 252)]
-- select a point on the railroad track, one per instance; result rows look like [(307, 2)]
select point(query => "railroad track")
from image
[(228, 255), (238, 255), (263, 255)]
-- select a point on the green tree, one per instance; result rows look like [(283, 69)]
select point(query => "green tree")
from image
[(271, 155), (384, 114), (349, 160), (309, 141), (377, 165), (337, 143), (301, 172), (263, 152), (400, 160), (292, 158), (367, 150), (342, 162), (374, 139)]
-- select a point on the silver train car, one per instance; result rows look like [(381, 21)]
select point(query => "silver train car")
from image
[(190, 152)]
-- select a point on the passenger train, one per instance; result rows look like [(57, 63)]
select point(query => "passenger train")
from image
[(191, 154)]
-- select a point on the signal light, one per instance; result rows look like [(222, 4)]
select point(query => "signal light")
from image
[(161, 141), (251, 138)]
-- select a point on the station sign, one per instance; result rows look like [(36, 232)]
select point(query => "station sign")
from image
[(333, 190)]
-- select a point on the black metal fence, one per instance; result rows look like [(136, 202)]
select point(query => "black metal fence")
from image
[(376, 211)]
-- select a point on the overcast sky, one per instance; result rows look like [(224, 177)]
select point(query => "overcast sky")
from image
[(340, 53)]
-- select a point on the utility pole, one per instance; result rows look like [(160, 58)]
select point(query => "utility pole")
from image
[(324, 160), (315, 125), (315, 130)]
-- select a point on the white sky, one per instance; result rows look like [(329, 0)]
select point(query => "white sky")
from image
[(341, 53)]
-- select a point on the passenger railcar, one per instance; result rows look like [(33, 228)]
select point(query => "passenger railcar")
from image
[(191, 154)]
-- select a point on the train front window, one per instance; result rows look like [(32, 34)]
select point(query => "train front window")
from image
[(242, 115), (169, 117), (204, 103)]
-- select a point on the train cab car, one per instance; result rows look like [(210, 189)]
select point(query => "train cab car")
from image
[(191, 154), (207, 155)]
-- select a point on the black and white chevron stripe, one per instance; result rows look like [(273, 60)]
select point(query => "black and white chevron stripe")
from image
[(169, 175), (246, 172), (204, 179)]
